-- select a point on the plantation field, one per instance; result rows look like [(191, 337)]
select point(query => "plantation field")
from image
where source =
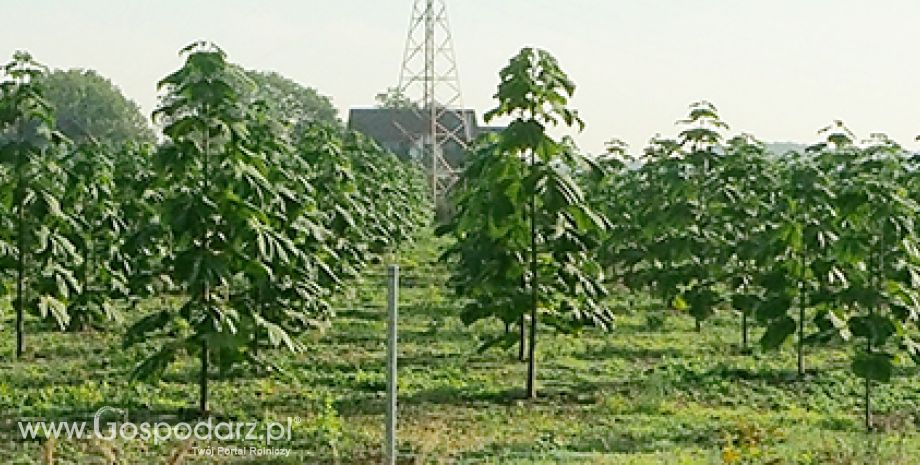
[(651, 391)]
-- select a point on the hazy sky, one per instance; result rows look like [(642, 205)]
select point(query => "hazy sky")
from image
[(780, 69)]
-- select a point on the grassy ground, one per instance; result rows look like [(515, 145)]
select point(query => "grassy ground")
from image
[(642, 394)]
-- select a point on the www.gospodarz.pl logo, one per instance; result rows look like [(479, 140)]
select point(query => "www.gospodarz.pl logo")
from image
[(160, 432)]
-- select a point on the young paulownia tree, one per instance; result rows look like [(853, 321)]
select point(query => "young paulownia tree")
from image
[(93, 200), (802, 272), (217, 209), (525, 234), (33, 246), (878, 254), (749, 179)]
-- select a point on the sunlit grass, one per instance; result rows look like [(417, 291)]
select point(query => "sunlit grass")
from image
[(637, 395)]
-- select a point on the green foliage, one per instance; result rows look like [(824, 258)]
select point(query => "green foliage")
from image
[(260, 208), (393, 98), (523, 228), (143, 246), (749, 180), (290, 103), (255, 226), (667, 217), (821, 245), (220, 210), (89, 108), (93, 199), (34, 246), (629, 396)]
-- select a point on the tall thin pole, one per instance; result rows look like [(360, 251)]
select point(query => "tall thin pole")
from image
[(392, 310), (430, 99)]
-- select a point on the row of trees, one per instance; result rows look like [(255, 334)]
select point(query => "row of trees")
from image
[(818, 246), (244, 220)]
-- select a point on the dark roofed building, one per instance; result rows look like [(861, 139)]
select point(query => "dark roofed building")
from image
[(394, 129)]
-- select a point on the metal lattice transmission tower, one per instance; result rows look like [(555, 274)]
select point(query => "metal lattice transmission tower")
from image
[(429, 77)]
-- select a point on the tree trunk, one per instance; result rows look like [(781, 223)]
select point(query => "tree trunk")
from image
[(531, 359), (256, 331), (867, 395), (801, 341), (522, 344), (203, 381), (534, 288), (20, 269), (744, 331), (78, 323), (876, 284), (203, 409)]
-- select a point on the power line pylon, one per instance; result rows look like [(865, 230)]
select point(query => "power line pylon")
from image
[(429, 77)]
